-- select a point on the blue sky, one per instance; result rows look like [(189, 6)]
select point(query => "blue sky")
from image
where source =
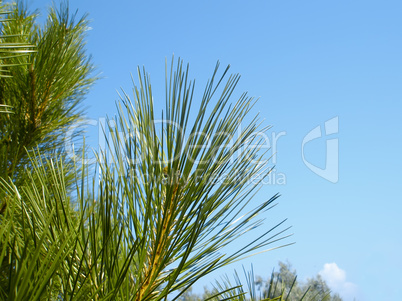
[(309, 62)]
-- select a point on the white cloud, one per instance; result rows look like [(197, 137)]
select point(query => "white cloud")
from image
[(336, 280), (333, 275)]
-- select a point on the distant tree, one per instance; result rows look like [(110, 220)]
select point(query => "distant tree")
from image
[(314, 288), (188, 295), (282, 285)]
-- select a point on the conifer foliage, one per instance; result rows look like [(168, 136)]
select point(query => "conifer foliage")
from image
[(168, 197)]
